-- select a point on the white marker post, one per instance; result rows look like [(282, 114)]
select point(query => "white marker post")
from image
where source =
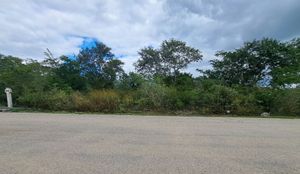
[(8, 92)]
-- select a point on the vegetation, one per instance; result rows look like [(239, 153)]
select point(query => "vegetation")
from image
[(260, 76)]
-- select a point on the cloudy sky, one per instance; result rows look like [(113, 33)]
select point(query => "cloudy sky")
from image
[(28, 27)]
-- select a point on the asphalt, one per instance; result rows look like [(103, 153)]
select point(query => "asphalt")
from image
[(92, 144)]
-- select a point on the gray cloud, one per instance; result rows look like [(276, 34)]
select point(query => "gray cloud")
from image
[(28, 27)]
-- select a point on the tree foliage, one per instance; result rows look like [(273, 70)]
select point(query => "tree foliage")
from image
[(168, 60), (99, 66), (265, 62)]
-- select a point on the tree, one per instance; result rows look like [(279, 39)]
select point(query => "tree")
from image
[(257, 62), (50, 60), (112, 70), (68, 74), (184, 81), (98, 66), (168, 60), (131, 81), (8, 66), (22, 75), (289, 75), (63, 72)]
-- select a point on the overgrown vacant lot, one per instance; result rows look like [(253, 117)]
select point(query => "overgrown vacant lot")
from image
[(71, 144)]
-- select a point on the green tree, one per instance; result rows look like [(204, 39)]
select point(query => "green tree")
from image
[(68, 74), (168, 60), (131, 81), (99, 66), (64, 72), (289, 75), (22, 76), (257, 62)]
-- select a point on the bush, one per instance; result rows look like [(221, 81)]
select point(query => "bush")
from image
[(33, 100), (247, 105), (132, 81), (104, 100), (80, 102), (173, 100), (180, 99), (53, 100), (127, 103), (151, 96), (58, 100), (265, 98), (287, 103), (97, 101), (2, 95), (217, 99)]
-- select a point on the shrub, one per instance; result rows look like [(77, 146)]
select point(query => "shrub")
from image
[(127, 103), (58, 100), (172, 99), (217, 99), (151, 96), (132, 81), (80, 102), (246, 105), (180, 99), (104, 101), (287, 102), (52, 100), (265, 98), (33, 100), (2, 95)]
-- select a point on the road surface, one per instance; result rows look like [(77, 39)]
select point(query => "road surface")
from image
[(78, 144)]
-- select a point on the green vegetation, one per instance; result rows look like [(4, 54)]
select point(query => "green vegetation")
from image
[(261, 76)]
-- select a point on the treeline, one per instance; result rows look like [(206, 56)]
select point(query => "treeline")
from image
[(260, 76)]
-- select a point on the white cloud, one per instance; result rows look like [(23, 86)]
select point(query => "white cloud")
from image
[(28, 27)]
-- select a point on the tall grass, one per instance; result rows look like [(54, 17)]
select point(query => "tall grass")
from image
[(97, 101)]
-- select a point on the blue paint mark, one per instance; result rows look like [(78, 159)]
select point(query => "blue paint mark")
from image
[(88, 42), (72, 57)]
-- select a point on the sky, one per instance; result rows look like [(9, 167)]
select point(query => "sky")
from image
[(29, 27)]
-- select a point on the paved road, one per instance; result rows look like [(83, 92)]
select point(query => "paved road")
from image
[(79, 144)]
